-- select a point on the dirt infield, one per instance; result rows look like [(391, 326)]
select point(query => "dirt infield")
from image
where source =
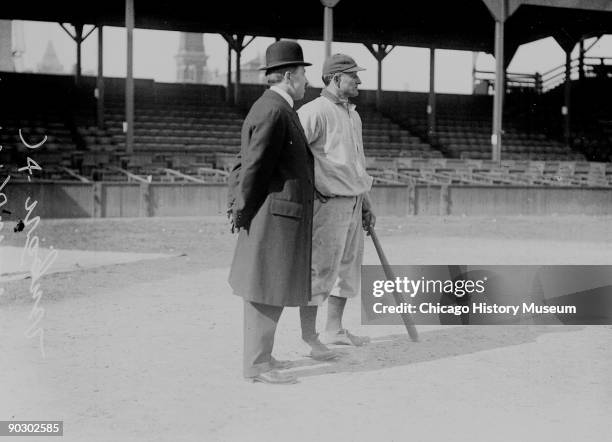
[(151, 350)]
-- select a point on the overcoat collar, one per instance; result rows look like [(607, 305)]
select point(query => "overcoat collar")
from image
[(294, 116), (276, 97)]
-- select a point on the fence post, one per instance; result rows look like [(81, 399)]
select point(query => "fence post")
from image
[(538, 82), (98, 202), (145, 208), (412, 201), (444, 200)]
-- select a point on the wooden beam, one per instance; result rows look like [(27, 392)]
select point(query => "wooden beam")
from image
[(129, 78), (379, 51), (128, 174), (73, 174), (431, 105), (100, 80), (498, 98), (235, 42)]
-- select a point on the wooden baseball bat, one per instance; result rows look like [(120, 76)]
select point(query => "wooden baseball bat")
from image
[(406, 317)]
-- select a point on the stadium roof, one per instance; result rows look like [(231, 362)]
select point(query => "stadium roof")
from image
[(445, 24)]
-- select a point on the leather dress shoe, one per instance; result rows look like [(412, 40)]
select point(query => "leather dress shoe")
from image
[(274, 377), (280, 365)]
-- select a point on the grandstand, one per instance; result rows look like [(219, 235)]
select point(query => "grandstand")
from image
[(177, 135), (464, 127), (591, 121), (188, 133), (383, 138)]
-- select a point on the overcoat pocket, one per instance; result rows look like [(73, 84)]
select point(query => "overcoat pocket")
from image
[(286, 208)]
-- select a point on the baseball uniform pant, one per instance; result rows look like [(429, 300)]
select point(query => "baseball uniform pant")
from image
[(337, 248)]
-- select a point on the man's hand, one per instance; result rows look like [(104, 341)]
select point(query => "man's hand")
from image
[(230, 216), (320, 196), (238, 220), (368, 219)]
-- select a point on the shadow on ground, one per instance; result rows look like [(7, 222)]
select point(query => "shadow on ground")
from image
[(398, 350)]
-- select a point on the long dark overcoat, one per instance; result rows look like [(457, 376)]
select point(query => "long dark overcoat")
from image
[(271, 189)]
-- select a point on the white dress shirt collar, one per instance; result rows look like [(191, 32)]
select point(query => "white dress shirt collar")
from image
[(283, 94)]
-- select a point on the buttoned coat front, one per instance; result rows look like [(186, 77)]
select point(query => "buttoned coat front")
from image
[(271, 191)]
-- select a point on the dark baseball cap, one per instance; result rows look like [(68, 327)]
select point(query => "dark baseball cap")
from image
[(340, 63)]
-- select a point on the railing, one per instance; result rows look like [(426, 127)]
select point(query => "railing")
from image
[(513, 79), (478, 172), (592, 67), (148, 175)]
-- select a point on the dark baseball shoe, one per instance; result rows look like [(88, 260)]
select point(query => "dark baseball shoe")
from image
[(273, 377), (319, 352), (344, 337)]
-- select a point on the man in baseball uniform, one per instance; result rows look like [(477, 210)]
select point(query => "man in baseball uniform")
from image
[(342, 209)]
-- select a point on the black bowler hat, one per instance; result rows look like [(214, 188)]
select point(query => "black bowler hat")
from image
[(284, 53)]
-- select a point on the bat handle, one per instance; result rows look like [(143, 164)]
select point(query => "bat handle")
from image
[(406, 317)]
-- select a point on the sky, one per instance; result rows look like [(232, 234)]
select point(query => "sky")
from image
[(405, 68)]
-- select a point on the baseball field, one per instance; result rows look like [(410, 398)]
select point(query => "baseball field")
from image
[(142, 341)]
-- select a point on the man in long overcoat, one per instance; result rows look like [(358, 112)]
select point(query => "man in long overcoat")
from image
[(271, 199)]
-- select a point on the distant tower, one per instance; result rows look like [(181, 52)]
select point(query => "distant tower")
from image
[(18, 45), (191, 59), (250, 72), (50, 64), (6, 46)]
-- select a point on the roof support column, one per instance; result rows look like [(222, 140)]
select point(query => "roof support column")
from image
[(431, 105), (474, 60), (100, 80), (498, 98), (500, 11), (228, 87), (328, 24), (237, 85), (567, 42), (78, 38), (78, 29), (129, 78), (236, 42), (328, 29), (565, 110), (581, 61), (379, 52)]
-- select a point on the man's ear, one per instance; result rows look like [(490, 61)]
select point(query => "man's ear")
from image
[(287, 76)]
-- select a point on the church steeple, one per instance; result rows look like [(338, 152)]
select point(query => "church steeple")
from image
[(191, 59)]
